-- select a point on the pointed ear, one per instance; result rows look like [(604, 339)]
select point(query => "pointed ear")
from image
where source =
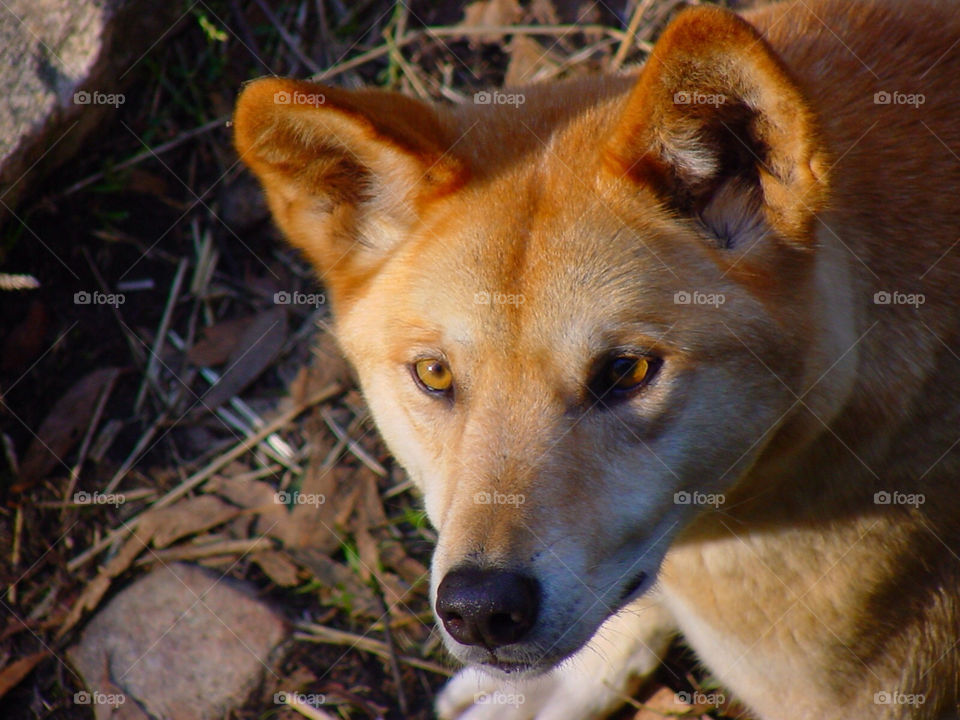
[(718, 127), (346, 173)]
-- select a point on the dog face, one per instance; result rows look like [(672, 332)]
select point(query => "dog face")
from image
[(588, 400), (552, 309)]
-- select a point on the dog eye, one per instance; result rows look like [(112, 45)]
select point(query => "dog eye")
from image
[(433, 375), (623, 374)]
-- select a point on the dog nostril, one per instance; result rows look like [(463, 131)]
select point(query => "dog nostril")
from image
[(452, 619), (502, 621), (491, 608)]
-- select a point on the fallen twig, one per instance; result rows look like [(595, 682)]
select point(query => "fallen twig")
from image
[(331, 636)]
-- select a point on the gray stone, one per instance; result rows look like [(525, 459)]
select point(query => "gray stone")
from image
[(180, 643), (63, 67)]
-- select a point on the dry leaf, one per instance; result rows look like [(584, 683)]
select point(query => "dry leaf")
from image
[(370, 495), (256, 496), (12, 674), (325, 501), (662, 703), (367, 550), (278, 567), (24, 342), (527, 58), (243, 204), (297, 677), (191, 516), (369, 518), (14, 626), (396, 593), (208, 548), (490, 13), (312, 516), (95, 590), (219, 342), (395, 557), (338, 578), (369, 532), (242, 492), (64, 426), (276, 278), (327, 366), (143, 181), (257, 348), (348, 495), (544, 12)]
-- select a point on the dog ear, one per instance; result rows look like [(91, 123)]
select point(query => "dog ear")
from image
[(716, 125), (346, 173)]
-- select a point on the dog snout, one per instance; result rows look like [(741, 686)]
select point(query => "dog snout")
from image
[(487, 607)]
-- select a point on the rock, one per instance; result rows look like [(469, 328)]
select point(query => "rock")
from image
[(180, 643), (63, 67)]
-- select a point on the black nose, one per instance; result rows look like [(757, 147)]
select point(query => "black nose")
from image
[(487, 607)]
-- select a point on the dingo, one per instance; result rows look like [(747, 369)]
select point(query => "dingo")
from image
[(643, 344)]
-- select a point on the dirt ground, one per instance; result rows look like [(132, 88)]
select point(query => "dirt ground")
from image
[(155, 364)]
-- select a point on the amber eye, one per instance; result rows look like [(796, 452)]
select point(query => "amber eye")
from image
[(434, 374), (627, 372)]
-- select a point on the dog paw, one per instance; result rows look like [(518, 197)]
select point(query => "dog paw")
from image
[(475, 695), (591, 685)]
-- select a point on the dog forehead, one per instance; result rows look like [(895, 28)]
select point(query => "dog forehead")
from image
[(512, 269), (540, 223)]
